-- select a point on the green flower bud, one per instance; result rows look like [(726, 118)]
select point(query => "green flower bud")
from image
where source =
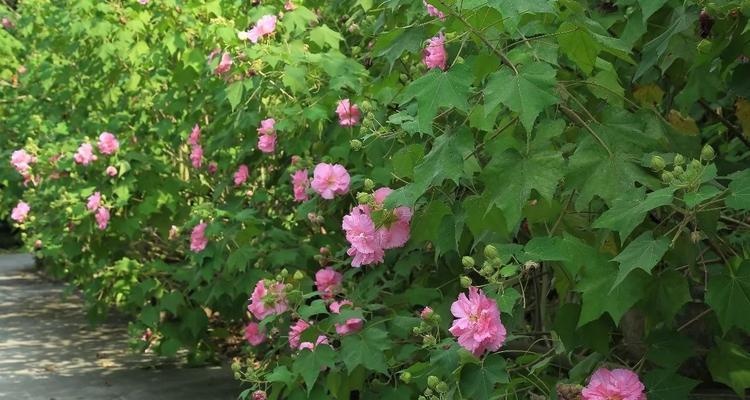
[(284, 273), (679, 159), (707, 153), (667, 177), (237, 376), (468, 261), (364, 198), (433, 397), (421, 398), (369, 184), (429, 340), (298, 276), (490, 251), (442, 387), (405, 377), (465, 281), (658, 163), (366, 106), (678, 171), (487, 269), (355, 144), (356, 50), (403, 77), (428, 392), (236, 366), (432, 381)]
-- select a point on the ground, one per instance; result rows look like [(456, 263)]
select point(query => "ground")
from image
[(48, 350)]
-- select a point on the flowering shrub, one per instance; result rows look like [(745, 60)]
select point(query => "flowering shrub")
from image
[(402, 199)]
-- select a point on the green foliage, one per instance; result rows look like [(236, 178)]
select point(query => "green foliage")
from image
[(537, 138)]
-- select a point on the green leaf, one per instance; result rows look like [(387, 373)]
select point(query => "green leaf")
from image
[(666, 294), (704, 193), (281, 374), (664, 384), (479, 381), (644, 252), (629, 211), (510, 178), (430, 218), (323, 35), (728, 294), (649, 7), (730, 365), (171, 301), (366, 348), (599, 296), (234, 94), (438, 89), (514, 10), (527, 93), (578, 44), (739, 191), (393, 44), (316, 307), (309, 363)]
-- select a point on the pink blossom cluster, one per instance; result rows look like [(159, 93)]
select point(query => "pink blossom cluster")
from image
[(270, 300), (368, 241), (21, 161), (225, 63), (432, 11), (254, 334), (108, 143), (111, 170), (196, 150), (198, 239), (101, 213), (241, 175), (267, 135), (330, 180), (328, 282), (349, 113), (351, 325), (300, 183), (85, 154), (434, 54), (295, 336), (265, 26), (621, 384), (20, 212), (477, 325)]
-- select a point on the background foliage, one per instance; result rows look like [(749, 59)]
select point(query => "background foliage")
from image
[(539, 138)]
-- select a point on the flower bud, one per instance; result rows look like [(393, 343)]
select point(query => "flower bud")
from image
[(366, 106), (364, 198), (468, 261), (428, 392), (237, 375), (679, 159), (490, 251), (369, 184), (405, 377), (236, 366), (487, 269), (355, 144), (658, 163), (465, 281), (429, 340), (707, 153), (678, 171), (432, 381), (667, 177), (298, 275), (259, 395), (442, 387), (421, 398)]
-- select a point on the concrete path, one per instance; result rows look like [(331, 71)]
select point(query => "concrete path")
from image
[(49, 351)]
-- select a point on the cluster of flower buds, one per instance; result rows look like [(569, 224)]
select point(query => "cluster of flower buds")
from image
[(683, 174), (435, 389), (430, 324)]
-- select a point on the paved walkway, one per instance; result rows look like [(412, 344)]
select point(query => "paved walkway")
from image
[(49, 351)]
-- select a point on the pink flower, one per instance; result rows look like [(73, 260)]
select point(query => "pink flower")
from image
[(300, 183), (267, 136), (267, 301), (434, 53), (295, 160), (289, 6), (94, 201), (295, 333), (620, 384), (330, 180), (85, 154), (7, 23), (426, 313), (108, 143), (351, 325), (264, 27), (359, 258), (198, 239), (212, 167), (21, 161), (253, 334), (433, 12), (102, 217), (196, 156), (397, 233), (143, 2), (225, 64), (322, 339), (328, 282), (349, 114), (259, 395), (477, 325), (20, 211), (241, 175), (362, 235), (195, 136), (111, 171)]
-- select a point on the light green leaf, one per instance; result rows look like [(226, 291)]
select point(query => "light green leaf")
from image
[(663, 384), (599, 296), (436, 90), (527, 93), (649, 7), (309, 363), (739, 191), (730, 364), (234, 94), (578, 44), (644, 252), (479, 381), (628, 212), (323, 35), (366, 348)]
